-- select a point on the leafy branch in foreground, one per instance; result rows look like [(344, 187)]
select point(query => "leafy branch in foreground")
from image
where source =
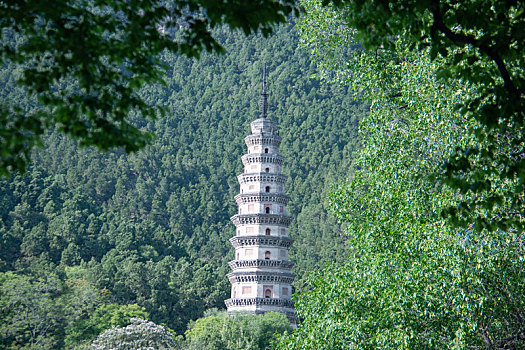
[(413, 280)]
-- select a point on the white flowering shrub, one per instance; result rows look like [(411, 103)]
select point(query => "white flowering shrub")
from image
[(139, 335)]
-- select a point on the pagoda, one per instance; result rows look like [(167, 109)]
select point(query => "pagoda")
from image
[(261, 278)]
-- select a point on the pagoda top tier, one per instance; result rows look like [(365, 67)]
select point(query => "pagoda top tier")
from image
[(263, 126)]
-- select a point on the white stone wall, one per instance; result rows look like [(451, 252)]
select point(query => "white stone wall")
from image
[(266, 149), (257, 290), (261, 168), (260, 207), (254, 230), (257, 252), (260, 186)]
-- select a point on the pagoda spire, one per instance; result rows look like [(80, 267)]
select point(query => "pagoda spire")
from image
[(263, 101)]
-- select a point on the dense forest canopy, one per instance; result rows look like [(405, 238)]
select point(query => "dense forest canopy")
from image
[(92, 238), (85, 60)]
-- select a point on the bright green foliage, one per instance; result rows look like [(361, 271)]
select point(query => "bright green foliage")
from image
[(480, 43), (442, 296), (412, 280), (85, 61), (221, 331), (93, 322)]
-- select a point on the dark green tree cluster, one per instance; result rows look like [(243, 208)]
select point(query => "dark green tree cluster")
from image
[(48, 312), (152, 228)]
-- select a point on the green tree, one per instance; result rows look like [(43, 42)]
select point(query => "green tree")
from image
[(30, 315), (480, 43), (412, 280), (235, 332), (152, 228), (86, 327), (85, 60)]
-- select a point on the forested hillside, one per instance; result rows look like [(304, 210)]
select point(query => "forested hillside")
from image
[(84, 233)]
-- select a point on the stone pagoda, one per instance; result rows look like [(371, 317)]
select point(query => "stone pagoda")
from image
[(261, 277)]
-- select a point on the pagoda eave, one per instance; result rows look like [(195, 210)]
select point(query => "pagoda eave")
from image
[(259, 218), (261, 197), (260, 263), (232, 302), (274, 140), (262, 240), (262, 177), (262, 158), (261, 277)]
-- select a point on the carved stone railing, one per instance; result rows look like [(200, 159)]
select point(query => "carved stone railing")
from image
[(266, 277), (257, 139), (264, 219), (262, 197), (262, 177), (268, 241), (262, 158), (239, 264), (259, 302)]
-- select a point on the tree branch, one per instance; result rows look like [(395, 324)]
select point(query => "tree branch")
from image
[(456, 38), (520, 335)]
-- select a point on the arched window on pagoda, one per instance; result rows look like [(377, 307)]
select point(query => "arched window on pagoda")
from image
[(267, 255), (268, 232), (267, 293), (267, 188), (266, 150)]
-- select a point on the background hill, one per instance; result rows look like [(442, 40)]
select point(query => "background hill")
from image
[(152, 228)]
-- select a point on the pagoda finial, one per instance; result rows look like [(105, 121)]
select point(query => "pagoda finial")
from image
[(263, 102)]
